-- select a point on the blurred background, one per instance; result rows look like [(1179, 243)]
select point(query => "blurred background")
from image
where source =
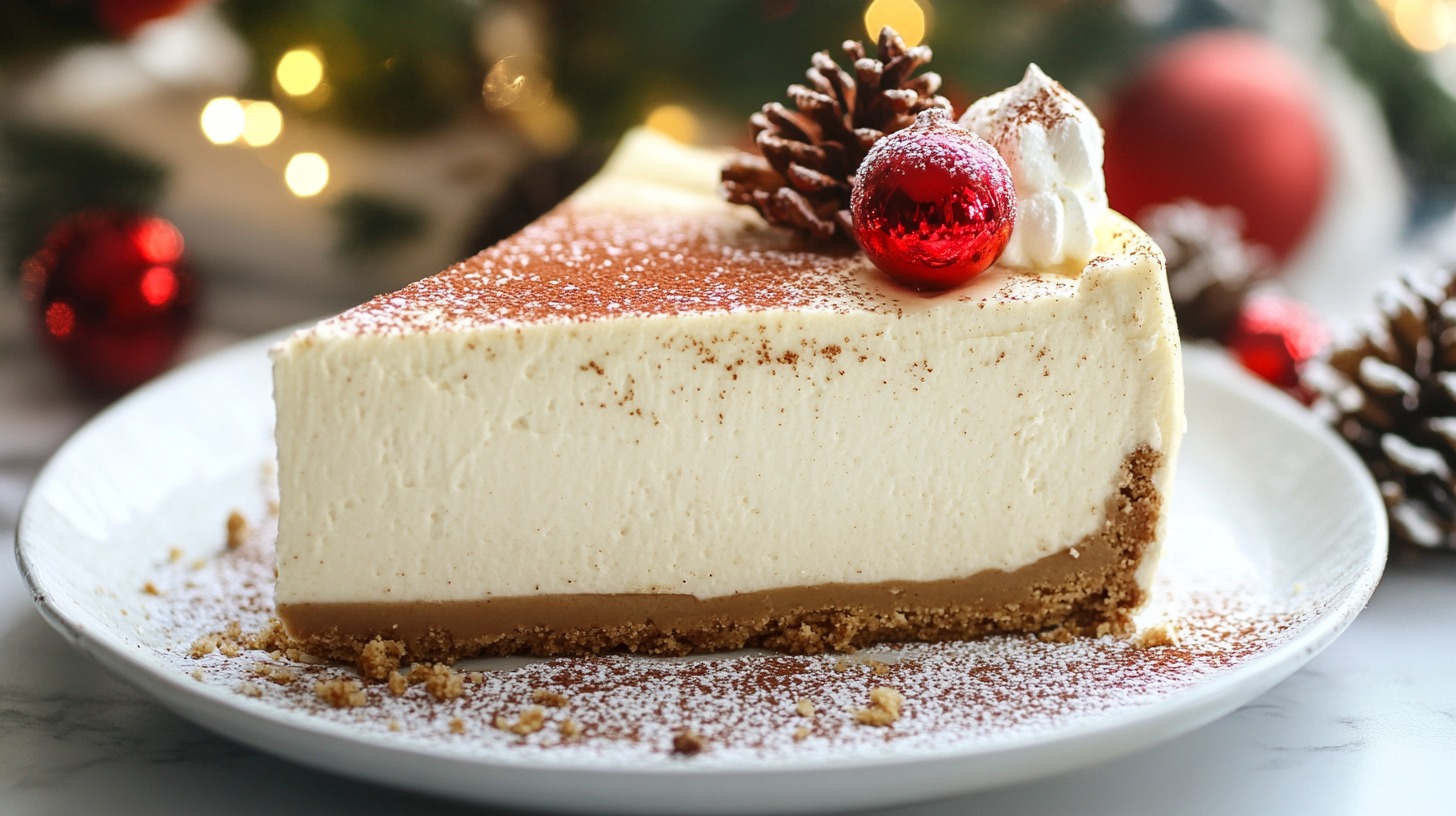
[(179, 174)]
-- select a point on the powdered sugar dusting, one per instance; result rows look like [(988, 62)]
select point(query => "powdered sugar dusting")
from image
[(1211, 616)]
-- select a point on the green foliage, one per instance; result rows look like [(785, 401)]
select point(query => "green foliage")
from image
[(370, 224), (35, 29), (1420, 114), (390, 68), (55, 173), (615, 61)]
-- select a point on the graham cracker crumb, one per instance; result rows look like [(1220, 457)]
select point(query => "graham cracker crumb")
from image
[(250, 689), (174, 554), (530, 721), (457, 725), (380, 658), (884, 708), (569, 729), (804, 707), (204, 645), (398, 683), (800, 734), (274, 674), (550, 699), (237, 530), (1060, 634), (341, 692), (841, 666), (271, 638), (687, 743), (442, 682), (150, 588), (1162, 634), (880, 669), (215, 642), (197, 675), (394, 725)]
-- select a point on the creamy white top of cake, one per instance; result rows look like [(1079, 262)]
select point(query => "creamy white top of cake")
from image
[(1053, 145), (650, 391)]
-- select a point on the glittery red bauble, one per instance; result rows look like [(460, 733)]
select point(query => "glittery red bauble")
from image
[(934, 204), (112, 297), (124, 18), (1274, 337), (1226, 119)]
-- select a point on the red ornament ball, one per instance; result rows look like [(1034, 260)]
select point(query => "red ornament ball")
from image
[(1227, 119), (933, 204), (1274, 337), (123, 18), (112, 297)]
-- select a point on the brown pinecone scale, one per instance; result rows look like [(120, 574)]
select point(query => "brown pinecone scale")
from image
[(1392, 395), (1211, 268), (804, 175)]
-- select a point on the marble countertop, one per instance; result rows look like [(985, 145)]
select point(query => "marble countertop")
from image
[(1369, 726)]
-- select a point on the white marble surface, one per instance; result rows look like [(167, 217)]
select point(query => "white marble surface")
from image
[(1367, 727)]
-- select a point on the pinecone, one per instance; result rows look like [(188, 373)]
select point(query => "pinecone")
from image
[(1392, 395), (804, 177), (1211, 269)]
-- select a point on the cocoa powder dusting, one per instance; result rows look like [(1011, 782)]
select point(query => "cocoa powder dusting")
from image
[(578, 263)]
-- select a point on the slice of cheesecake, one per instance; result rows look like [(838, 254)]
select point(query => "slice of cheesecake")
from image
[(651, 422)]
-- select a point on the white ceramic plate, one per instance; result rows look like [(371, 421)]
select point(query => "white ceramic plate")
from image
[(1261, 485)]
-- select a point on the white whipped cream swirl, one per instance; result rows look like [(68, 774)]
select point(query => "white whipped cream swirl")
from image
[(1053, 145)]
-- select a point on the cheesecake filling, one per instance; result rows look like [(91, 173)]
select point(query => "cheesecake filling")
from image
[(721, 453)]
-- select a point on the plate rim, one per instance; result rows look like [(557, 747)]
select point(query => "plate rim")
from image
[(209, 706)]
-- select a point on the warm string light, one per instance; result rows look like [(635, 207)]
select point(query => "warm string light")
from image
[(909, 18), (258, 123), (307, 174), (300, 72), (223, 120), (1425, 25), (674, 121), (262, 123)]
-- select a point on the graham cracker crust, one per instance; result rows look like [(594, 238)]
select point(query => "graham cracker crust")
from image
[(1087, 589)]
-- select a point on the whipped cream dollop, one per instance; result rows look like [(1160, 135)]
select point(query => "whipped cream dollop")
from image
[(1053, 145)]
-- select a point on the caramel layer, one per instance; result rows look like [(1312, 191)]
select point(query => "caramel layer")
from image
[(1088, 588)]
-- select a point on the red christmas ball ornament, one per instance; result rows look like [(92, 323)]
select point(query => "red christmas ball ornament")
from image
[(112, 297), (1274, 337), (1227, 119), (933, 204), (123, 18)]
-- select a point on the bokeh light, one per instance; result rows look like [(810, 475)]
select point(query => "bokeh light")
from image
[(674, 121), (307, 174), (262, 123), (1426, 25), (907, 17), (516, 83), (157, 241), (223, 120), (60, 319), (551, 127), (300, 72), (158, 285)]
